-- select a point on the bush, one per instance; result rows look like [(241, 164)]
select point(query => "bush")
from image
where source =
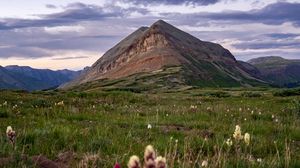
[(287, 92), (250, 94), (218, 94)]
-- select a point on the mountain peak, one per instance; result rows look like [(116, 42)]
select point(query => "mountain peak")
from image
[(162, 26), (160, 22), (162, 45)]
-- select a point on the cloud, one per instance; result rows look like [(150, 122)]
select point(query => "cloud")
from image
[(268, 45), (64, 29), (23, 52), (50, 6), (173, 2), (276, 13), (70, 57), (73, 13), (282, 35)]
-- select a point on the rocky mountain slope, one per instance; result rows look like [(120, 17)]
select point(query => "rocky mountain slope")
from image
[(27, 78), (278, 71), (164, 55)]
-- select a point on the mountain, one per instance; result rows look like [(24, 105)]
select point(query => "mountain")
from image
[(165, 56), (27, 78), (7, 80), (251, 69), (278, 71)]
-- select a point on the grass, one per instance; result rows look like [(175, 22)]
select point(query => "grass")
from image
[(103, 127)]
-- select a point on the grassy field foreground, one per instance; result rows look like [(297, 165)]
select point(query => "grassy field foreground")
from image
[(189, 128)]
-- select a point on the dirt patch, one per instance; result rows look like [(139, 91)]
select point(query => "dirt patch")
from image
[(172, 128), (63, 160)]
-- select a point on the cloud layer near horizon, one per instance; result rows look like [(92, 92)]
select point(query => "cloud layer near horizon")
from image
[(79, 29)]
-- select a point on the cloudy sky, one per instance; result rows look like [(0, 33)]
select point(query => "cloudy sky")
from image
[(72, 34)]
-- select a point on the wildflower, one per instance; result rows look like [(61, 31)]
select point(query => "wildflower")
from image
[(160, 162), (251, 158), (204, 163), (247, 138), (273, 116), (228, 110), (167, 115), (259, 160), (252, 112), (117, 165), (61, 103), (5, 103), (259, 113), (193, 107), (11, 134), (149, 126), (237, 133), (149, 157), (245, 119), (276, 120), (15, 106), (229, 142), (176, 141), (208, 109), (240, 109), (134, 162)]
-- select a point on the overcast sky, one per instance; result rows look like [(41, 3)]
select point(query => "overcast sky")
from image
[(72, 34)]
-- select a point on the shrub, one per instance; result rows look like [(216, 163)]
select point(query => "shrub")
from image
[(287, 92), (250, 94), (218, 94)]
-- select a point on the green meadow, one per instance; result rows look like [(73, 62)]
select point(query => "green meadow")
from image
[(100, 128)]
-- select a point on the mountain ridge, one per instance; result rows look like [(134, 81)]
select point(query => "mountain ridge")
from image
[(278, 71), (27, 78)]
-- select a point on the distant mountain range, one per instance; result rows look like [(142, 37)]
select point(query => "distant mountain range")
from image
[(160, 57), (163, 56), (27, 78), (277, 70)]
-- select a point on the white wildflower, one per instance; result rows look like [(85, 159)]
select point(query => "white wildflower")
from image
[(229, 142), (149, 153), (160, 162), (204, 163), (134, 162), (247, 138), (237, 133), (9, 129), (259, 160)]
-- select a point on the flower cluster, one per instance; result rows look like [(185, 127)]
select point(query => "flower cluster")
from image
[(11, 135), (150, 160), (237, 135)]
